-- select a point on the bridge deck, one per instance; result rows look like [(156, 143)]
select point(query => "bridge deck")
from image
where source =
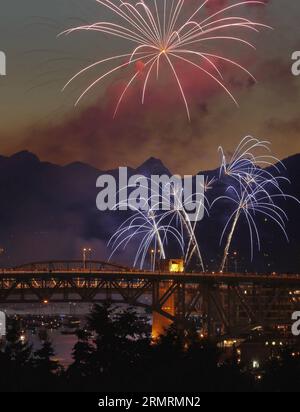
[(186, 278), (229, 299)]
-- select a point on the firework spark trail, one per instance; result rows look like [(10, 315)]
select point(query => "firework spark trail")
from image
[(150, 224), (193, 246), (251, 189), (245, 163), (256, 193), (163, 32), (178, 205), (178, 210), (208, 185), (250, 205), (150, 231), (158, 225)]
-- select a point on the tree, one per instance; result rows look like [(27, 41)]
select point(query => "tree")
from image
[(82, 351), (16, 359), (282, 373), (79, 371), (46, 369), (17, 349), (43, 360), (121, 339)]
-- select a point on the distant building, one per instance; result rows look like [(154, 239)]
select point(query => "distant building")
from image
[(172, 265)]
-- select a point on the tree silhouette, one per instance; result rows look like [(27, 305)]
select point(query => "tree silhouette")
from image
[(115, 353), (17, 349), (122, 337), (16, 359), (282, 373), (45, 367), (43, 360), (79, 371)]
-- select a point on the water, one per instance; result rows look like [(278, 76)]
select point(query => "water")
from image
[(62, 344)]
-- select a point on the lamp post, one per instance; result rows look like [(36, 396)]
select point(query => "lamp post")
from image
[(152, 263), (235, 254), (84, 256), (155, 256)]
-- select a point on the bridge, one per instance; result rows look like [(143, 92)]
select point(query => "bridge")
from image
[(219, 302)]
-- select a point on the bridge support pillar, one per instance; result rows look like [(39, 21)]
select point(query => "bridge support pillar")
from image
[(163, 299)]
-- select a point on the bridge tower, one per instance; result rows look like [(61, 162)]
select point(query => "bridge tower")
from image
[(167, 297)]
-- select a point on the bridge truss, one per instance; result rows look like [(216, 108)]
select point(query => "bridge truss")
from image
[(224, 302)]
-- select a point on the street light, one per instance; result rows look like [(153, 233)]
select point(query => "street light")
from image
[(235, 254), (84, 254), (152, 252)]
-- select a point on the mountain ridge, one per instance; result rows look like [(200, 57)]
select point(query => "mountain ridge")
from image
[(48, 211), (150, 163)]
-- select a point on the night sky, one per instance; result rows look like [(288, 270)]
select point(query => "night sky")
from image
[(37, 116)]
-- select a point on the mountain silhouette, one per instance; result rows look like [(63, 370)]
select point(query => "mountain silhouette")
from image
[(49, 212)]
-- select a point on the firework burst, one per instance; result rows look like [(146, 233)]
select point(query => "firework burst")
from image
[(182, 218), (248, 160), (253, 191), (167, 32), (254, 185), (152, 234), (154, 226)]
